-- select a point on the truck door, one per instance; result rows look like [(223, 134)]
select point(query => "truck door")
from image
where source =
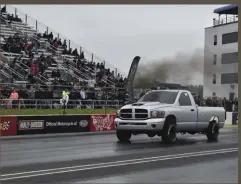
[(187, 116)]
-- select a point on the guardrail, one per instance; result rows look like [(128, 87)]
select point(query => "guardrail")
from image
[(16, 85), (225, 20)]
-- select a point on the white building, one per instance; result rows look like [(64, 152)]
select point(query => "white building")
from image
[(221, 54)]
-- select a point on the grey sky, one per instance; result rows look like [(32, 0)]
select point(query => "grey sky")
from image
[(117, 33)]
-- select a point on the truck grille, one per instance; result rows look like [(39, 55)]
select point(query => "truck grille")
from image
[(138, 114), (126, 113), (141, 114)]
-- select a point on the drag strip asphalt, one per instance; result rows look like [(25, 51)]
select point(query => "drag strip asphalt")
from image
[(73, 159), (36, 173)]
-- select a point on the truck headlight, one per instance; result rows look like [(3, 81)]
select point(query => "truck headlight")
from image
[(157, 114), (118, 113)]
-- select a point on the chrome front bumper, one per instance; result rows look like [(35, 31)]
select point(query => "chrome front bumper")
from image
[(140, 125)]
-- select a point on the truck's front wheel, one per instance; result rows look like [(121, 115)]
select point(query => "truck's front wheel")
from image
[(123, 136), (213, 131), (169, 134)]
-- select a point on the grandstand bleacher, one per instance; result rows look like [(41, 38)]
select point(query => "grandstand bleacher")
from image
[(29, 56), (70, 64)]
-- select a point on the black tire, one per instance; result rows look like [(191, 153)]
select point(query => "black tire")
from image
[(169, 134), (213, 131), (123, 136)]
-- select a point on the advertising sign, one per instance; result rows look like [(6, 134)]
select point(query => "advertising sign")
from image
[(53, 124), (31, 125), (102, 123), (8, 125)]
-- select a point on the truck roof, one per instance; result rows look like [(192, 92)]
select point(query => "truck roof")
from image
[(172, 90)]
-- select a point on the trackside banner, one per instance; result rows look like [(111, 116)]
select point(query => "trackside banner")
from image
[(27, 125)]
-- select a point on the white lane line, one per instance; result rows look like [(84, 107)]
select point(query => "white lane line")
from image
[(118, 163), (115, 162)]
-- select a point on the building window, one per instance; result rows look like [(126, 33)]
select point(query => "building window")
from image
[(229, 78), (229, 58), (214, 78), (230, 38), (215, 40), (214, 59)]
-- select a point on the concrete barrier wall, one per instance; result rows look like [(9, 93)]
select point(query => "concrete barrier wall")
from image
[(229, 116), (47, 124), (232, 118)]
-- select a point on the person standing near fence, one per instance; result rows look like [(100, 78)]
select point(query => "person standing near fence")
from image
[(82, 98), (65, 99), (13, 99)]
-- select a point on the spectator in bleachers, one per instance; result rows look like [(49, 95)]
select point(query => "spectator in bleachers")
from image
[(33, 69), (6, 47), (16, 19), (75, 53), (10, 40), (82, 55), (31, 93), (55, 40), (59, 42), (10, 17), (69, 51), (28, 48), (55, 44), (42, 66), (65, 52), (64, 45), (50, 36), (39, 35), (45, 35)]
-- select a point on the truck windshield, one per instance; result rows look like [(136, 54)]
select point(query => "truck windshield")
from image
[(167, 97)]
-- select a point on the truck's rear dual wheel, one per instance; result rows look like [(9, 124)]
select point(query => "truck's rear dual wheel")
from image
[(213, 131), (169, 134), (123, 136)]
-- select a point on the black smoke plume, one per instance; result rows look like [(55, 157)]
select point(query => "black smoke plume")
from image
[(183, 68)]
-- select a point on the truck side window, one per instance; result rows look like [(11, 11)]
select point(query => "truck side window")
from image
[(184, 99)]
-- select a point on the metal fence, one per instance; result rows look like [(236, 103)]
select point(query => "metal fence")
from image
[(56, 104), (74, 86)]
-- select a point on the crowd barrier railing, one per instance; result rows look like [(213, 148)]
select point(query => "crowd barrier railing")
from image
[(56, 104)]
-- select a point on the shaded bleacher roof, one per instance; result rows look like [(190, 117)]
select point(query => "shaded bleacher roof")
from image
[(230, 9)]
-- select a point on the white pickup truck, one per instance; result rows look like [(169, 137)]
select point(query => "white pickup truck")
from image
[(166, 113)]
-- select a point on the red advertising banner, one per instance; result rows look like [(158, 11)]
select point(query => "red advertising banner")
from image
[(8, 125), (102, 122)]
